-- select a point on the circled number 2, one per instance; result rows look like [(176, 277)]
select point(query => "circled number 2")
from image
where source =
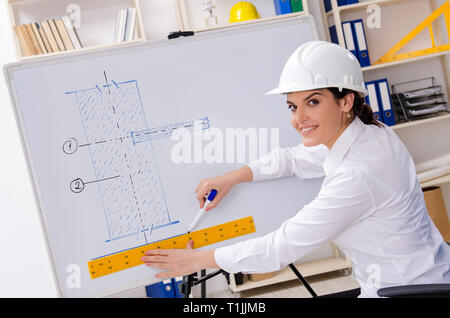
[(77, 185)]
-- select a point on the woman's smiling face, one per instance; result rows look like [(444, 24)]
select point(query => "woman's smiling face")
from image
[(318, 117)]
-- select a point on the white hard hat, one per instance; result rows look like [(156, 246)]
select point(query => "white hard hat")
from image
[(319, 64)]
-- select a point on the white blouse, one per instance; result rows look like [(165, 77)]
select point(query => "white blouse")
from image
[(370, 205)]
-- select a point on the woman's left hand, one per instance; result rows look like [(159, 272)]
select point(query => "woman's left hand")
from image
[(179, 262)]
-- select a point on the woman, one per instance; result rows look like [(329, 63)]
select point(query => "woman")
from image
[(370, 204)]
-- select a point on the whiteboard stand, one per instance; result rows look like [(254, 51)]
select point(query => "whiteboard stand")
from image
[(315, 267), (191, 280)]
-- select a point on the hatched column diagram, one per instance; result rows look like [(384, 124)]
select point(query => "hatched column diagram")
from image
[(123, 158)]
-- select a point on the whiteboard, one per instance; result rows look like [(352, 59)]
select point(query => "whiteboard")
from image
[(94, 127)]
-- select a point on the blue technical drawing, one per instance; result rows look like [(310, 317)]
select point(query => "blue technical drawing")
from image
[(116, 128)]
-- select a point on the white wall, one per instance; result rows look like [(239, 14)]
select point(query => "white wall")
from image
[(24, 265)]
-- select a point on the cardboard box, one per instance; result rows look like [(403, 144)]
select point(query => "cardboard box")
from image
[(437, 211), (258, 277)]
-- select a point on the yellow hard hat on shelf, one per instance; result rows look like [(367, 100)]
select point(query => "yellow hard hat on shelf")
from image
[(243, 11)]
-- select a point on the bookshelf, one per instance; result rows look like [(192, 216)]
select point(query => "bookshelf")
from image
[(421, 121), (436, 182), (417, 11), (392, 31), (97, 21), (155, 19), (193, 15), (362, 5)]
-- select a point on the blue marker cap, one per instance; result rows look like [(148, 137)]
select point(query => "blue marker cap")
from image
[(212, 195)]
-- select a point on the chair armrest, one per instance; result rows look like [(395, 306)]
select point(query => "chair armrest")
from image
[(427, 290)]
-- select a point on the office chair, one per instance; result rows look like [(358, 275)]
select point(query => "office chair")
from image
[(416, 291), (406, 291)]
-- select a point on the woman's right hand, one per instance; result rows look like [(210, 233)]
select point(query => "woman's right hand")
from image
[(222, 184)]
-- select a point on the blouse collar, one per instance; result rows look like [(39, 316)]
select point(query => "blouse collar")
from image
[(342, 145)]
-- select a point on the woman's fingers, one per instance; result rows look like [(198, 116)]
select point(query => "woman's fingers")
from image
[(201, 193), (157, 265), (205, 187), (157, 261), (162, 252), (201, 200), (178, 262), (166, 262), (163, 255), (154, 259), (167, 252), (216, 201)]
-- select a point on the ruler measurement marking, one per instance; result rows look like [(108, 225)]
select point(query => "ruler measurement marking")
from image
[(126, 259)]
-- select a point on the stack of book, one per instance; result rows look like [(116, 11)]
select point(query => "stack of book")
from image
[(53, 35), (125, 25), (327, 3), (287, 6), (355, 40)]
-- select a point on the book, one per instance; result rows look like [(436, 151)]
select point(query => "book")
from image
[(44, 38), (120, 32), (296, 5), (26, 46), (49, 35), (72, 32), (116, 30), (282, 6), (64, 35), (333, 34), (37, 49), (35, 28), (21, 40), (130, 24), (56, 34), (52, 35), (328, 7)]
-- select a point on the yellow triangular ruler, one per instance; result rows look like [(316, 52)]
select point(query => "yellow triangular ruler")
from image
[(391, 55)]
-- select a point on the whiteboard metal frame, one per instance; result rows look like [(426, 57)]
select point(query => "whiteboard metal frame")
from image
[(79, 55)]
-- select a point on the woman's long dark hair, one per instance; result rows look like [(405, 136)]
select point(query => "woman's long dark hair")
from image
[(360, 108)]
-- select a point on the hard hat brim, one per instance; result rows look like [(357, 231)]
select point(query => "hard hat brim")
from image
[(362, 92)]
